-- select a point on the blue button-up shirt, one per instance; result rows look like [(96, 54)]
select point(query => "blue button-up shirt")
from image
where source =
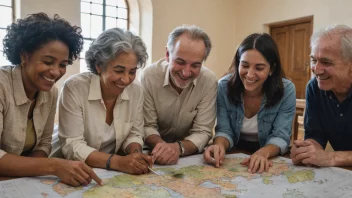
[(274, 123), (326, 119)]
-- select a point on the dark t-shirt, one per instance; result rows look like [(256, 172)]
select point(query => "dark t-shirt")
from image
[(326, 119)]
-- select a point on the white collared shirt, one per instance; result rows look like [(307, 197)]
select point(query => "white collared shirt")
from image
[(82, 116)]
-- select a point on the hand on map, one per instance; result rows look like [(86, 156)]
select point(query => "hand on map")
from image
[(135, 163), (215, 154), (75, 173), (305, 152), (166, 153), (257, 162)]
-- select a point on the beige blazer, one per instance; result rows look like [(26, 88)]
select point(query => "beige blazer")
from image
[(82, 116), (14, 107)]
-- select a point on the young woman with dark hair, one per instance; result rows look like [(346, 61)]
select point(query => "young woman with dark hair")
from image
[(255, 106)]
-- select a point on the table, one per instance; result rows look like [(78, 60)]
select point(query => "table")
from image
[(6, 178), (234, 151)]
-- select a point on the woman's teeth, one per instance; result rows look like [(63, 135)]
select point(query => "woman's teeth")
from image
[(250, 81), (120, 86), (49, 79)]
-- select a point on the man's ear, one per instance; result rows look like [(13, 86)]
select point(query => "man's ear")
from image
[(167, 54)]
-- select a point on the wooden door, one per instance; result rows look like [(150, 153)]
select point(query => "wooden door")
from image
[(294, 49)]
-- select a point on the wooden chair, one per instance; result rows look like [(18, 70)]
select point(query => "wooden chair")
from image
[(298, 121)]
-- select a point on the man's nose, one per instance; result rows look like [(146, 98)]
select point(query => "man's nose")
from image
[(317, 68), (186, 72)]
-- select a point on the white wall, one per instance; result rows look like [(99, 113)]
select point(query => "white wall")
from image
[(68, 9), (216, 17)]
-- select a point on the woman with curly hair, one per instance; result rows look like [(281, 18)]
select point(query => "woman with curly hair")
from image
[(40, 48), (101, 111)]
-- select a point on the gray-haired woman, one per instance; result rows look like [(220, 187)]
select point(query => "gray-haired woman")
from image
[(101, 111)]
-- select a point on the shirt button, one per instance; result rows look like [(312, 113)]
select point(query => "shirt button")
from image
[(341, 114), (338, 105)]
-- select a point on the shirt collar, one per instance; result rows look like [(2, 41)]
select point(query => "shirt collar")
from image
[(331, 94), (95, 90), (20, 94)]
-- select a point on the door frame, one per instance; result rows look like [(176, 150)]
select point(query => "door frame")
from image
[(292, 22)]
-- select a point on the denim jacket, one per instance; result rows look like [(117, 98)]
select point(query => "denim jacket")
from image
[(274, 123)]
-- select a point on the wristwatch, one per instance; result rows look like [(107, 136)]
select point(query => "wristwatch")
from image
[(182, 148)]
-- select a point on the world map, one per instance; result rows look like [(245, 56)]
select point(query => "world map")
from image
[(191, 177)]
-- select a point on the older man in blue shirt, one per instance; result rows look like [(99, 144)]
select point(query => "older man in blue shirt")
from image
[(328, 115)]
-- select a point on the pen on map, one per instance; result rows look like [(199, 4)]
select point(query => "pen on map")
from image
[(153, 171)]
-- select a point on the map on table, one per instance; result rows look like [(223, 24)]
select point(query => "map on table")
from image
[(199, 180)]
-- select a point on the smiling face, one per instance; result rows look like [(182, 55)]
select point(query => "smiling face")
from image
[(185, 61), (42, 68), (331, 70), (254, 69), (117, 74)]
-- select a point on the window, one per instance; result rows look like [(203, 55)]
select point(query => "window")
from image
[(6, 18), (97, 16)]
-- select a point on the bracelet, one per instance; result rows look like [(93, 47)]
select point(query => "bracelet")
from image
[(108, 162), (182, 148)]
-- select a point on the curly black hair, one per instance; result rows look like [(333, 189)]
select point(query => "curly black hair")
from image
[(31, 33)]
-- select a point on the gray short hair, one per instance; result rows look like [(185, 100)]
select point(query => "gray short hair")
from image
[(110, 44), (345, 33), (194, 33)]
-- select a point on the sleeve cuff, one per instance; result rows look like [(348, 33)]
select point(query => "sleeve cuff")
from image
[(80, 153), (199, 140), (321, 142), (225, 135), (279, 142), (130, 140), (150, 131), (45, 149)]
